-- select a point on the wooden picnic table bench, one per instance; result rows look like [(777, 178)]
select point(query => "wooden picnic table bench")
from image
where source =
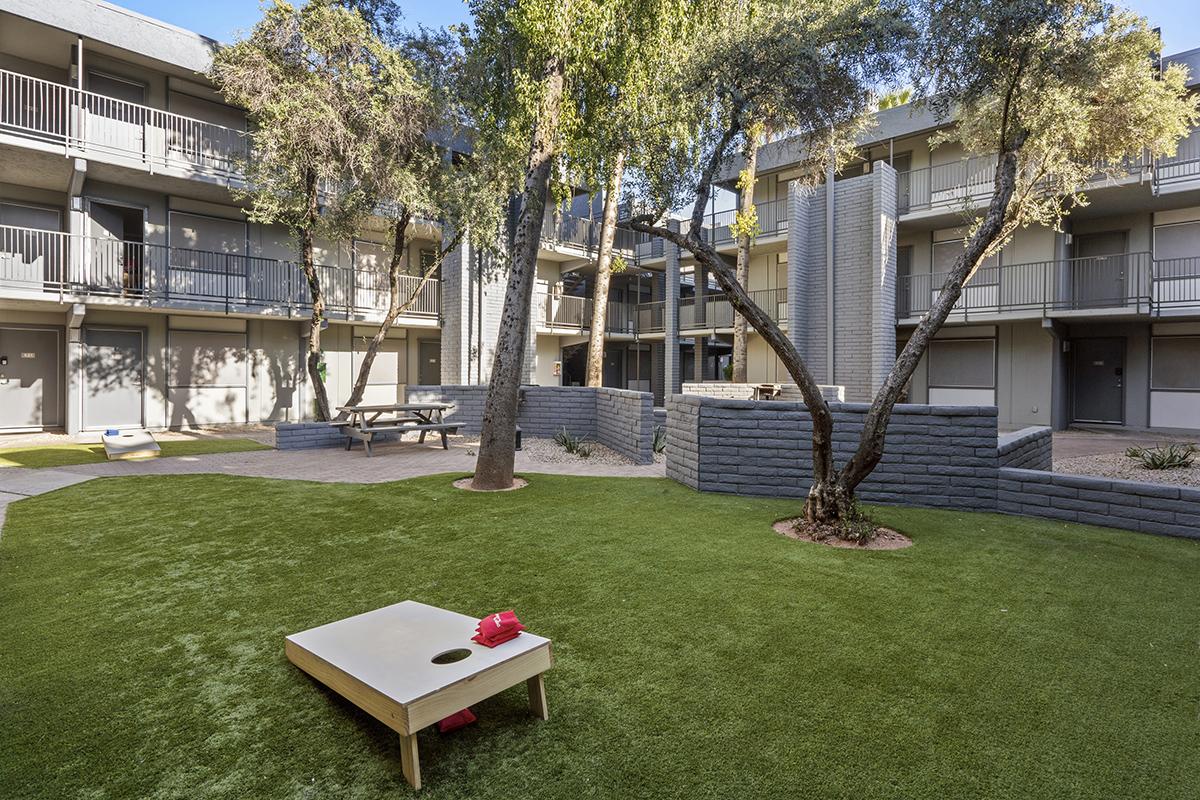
[(365, 421)]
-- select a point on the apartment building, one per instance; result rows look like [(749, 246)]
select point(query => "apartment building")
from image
[(1097, 324), (133, 290)]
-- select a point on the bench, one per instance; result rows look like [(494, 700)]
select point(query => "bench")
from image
[(366, 436)]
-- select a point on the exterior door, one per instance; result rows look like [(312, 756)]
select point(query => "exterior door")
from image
[(113, 378), (1098, 380), (29, 378), (1098, 271), (429, 368)]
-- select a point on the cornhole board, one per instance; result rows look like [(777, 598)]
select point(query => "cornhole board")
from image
[(383, 662), (130, 444)]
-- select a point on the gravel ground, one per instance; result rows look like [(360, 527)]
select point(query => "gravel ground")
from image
[(546, 450), (1118, 465)]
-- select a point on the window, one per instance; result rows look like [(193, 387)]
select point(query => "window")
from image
[(1175, 363), (1177, 250), (944, 255), (962, 363)]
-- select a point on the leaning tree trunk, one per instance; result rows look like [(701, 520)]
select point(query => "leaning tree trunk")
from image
[(395, 309), (497, 442), (874, 433), (745, 206), (608, 230), (313, 361)]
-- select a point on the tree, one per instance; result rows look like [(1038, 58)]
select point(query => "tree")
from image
[(524, 60), (896, 99), (310, 79), (1058, 88), (414, 170)]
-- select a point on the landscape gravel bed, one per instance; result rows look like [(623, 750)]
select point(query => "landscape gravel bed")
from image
[(1119, 466)]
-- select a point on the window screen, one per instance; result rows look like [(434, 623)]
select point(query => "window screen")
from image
[(1175, 362), (944, 254), (963, 363)]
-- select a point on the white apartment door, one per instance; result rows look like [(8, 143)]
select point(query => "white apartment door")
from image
[(113, 378)]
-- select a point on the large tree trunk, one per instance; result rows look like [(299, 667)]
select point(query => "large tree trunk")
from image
[(608, 230), (745, 205), (313, 361), (494, 466)]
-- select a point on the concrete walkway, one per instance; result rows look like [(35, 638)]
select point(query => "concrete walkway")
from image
[(391, 462)]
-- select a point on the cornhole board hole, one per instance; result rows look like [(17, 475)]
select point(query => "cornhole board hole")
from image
[(397, 663), (122, 445)]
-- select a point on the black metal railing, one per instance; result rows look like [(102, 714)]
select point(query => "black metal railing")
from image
[(156, 274), (716, 312), (1134, 282)]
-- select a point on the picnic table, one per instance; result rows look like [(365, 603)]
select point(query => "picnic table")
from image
[(366, 421)]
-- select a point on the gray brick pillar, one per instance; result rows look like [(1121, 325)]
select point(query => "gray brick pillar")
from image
[(700, 278), (656, 373), (883, 272), (797, 254), (671, 379), (456, 312)]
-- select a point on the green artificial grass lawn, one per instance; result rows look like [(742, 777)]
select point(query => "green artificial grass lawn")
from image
[(68, 455), (698, 653)]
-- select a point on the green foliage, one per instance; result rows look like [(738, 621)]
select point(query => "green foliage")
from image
[(745, 223), (575, 445), (660, 439), (1067, 84), (329, 103), (895, 99), (1173, 455)]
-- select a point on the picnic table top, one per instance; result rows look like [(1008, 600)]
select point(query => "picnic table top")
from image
[(397, 407)]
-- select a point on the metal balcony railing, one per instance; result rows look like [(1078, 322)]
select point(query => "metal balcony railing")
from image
[(584, 234), (945, 185), (93, 124), (1132, 282), (570, 311), (651, 317), (1183, 166), (772, 221), (716, 312), (71, 265)]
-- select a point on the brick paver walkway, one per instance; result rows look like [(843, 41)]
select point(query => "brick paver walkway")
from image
[(390, 463)]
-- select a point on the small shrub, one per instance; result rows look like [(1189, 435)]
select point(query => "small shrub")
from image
[(575, 445), (660, 439), (1167, 456)]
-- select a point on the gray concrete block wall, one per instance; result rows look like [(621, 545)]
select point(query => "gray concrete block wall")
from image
[(619, 419), (943, 455), (1145, 507), (625, 423), (1028, 448), (745, 391), (672, 369), (853, 282), (883, 272), (311, 435)]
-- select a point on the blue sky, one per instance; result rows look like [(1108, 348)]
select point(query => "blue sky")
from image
[(222, 19)]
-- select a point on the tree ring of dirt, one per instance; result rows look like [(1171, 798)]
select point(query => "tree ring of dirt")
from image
[(465, 484), (884, 538)]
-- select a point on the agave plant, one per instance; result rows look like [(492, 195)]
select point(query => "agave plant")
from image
[(1167, 456)]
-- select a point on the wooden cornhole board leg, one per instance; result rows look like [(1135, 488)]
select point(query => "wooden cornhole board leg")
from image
[(410, 761), (537, 697)]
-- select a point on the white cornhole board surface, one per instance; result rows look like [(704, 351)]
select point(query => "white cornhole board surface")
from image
[(382, 661), (130, 444)]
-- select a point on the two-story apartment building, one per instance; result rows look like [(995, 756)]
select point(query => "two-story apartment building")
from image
[(133, 289)]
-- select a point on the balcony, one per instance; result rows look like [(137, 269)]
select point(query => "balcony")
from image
[(715, 312), (945, 185), (1177, 172), (580, 233), (772, 221), (92, 125), (36, 264), (1132, 283), (575, 313)]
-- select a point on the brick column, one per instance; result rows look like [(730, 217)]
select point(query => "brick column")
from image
[(456, 312), (797, 276), (883, 272), (671, 379)]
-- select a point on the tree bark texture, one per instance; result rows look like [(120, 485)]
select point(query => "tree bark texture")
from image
[(745, 203), (497, 453), (313, 361), (608, 231)]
